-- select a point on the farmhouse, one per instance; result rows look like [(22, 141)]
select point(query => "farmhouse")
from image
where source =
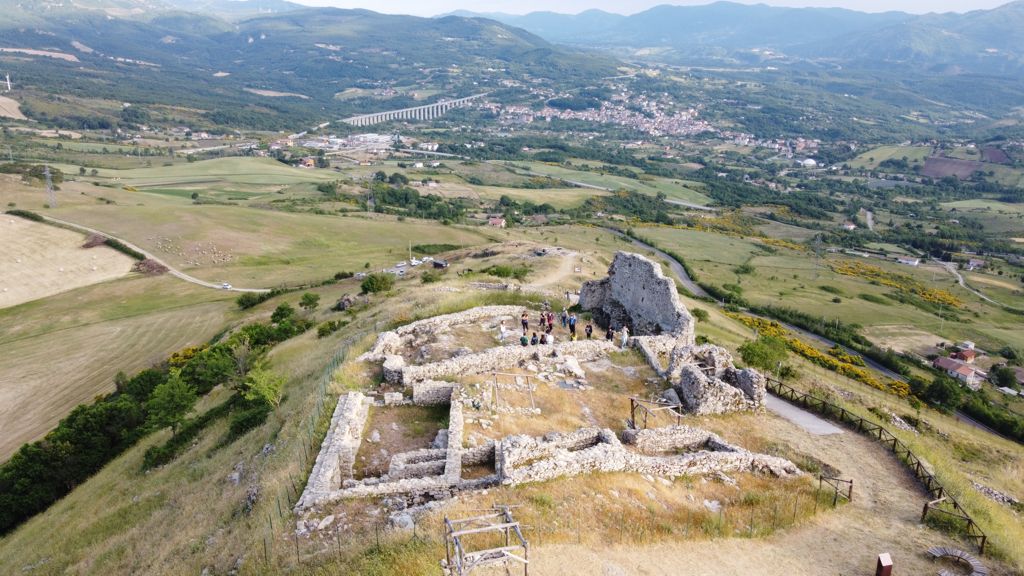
[(962, 372), (497, 222), (907, 260)]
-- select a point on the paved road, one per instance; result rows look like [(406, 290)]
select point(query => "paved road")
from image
[(150, 256), (802, 418), (951, 268)]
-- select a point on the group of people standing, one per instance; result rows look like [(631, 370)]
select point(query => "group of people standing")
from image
[(546, 327)]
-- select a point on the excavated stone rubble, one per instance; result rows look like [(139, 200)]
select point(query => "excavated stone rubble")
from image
[(636, 294)]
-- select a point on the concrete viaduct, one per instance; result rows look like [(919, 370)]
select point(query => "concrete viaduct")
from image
[(428, 112)]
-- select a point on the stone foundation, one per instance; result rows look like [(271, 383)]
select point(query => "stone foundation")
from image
[(523, 459), (393, 341), (337, 455)]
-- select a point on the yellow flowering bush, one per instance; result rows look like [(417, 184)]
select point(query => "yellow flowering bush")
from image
[(846, 364), (901, 282)]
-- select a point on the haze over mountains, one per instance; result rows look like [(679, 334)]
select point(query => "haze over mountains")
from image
[(988, 41), (212, 54)]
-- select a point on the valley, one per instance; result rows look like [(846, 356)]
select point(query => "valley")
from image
[(263, 285)]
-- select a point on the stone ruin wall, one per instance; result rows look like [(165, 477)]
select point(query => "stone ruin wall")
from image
[(522, 459), (637, 294), (432, 392), (338, 453), (673, 439), (393, 341), (397, 372), (705, 380)]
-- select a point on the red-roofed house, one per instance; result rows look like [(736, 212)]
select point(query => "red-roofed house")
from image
[(957, 369)]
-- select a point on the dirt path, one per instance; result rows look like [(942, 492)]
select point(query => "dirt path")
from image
[(170, 269), (951, 268), (883, 517)]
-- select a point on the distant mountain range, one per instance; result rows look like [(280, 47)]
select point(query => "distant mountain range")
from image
[(983, 41), (249, 62)]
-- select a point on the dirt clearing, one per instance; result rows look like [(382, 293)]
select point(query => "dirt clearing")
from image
[(275, 94), (9, 108), (40, 260), (902, 338)]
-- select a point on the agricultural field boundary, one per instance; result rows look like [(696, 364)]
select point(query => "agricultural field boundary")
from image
[(173, 271)]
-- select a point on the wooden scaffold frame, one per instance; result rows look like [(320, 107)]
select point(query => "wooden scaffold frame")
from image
[(460, 562)]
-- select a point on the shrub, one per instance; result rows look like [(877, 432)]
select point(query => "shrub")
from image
[(377, 282), (875, 299), (765, 353), (508, 271), (248, 418), (431, 276), (26, 214), (124, 249), (432, 249), (700, 314), (250, 299), (330, 327)]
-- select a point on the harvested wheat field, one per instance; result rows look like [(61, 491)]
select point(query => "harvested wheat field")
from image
[(9, 108), (40, 260), (65, 350)]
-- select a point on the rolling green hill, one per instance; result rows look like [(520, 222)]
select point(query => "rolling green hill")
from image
[(133, 51)]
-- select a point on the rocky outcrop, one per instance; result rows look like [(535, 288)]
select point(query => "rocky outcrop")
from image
[(638, 295)]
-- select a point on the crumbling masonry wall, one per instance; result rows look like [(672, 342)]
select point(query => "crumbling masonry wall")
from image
[(502, 357), (338, 453), (637, 294), (523, 459), (393, 341)]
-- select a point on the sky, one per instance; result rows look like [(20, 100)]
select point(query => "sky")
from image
[(435, 7)]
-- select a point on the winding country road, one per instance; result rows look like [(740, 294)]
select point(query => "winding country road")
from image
[(171, 270), (951, 268)]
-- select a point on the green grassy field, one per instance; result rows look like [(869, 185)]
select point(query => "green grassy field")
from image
[(872, 158), (997, 217), (795, 280), (670, 188)]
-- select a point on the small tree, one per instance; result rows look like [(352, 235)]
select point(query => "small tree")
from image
[(262, 385), (765, 353), (700, 314), (377, 282), (283, 312), (81, 170), (309, 302), (170, 402), (945, 391)]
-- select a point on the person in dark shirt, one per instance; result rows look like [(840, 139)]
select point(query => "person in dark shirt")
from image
[(610, 334), (589, 330), (534, 340)]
